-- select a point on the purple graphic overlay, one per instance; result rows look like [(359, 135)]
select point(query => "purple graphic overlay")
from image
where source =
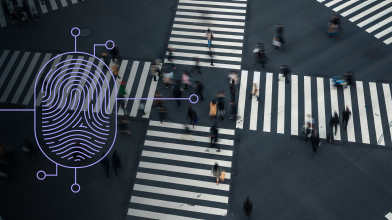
[(76, 35), (190, 98)]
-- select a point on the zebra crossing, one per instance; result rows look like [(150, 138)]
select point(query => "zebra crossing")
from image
[(21, 69), (226, 19), (370, 104), (174, 179), (36, 4), (369, 14)]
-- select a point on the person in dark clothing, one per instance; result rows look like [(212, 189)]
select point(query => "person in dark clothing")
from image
[(177, 94), (263, 59), (334, 122), (105, 163), (285, 71), (315, 140), (15, 16), (191, 115), (336, 21), (214, 136), (163, 114), (233, 110), (232, 90), (211, 56), (29, 148), (346, 115), (5, 7), (199, 89), (221, 109), (278, 40), (248, 207), (171, 58), (114, 52), (350, 79), (116, 161), (124, 126), (196, 66), (157, 101)]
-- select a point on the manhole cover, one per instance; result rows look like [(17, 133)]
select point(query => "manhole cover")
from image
[(373, 54), (85, 32)]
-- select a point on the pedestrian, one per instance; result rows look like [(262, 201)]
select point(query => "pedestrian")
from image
[(278, 40), (263, 58), (332, 29), (255, 91), (5, 7), (167, 78), (248, 207), (187, 133), (336, 21), (26, 9), (34, 12), (214, 136), (116, 161), (233, 110), (163, 115), (199, 89), (105, 61), (171, 58), (158, 64), (334, 123), (114, 52), (15, 16), (285, 71), (315, 141), (350, 80), (157, 99), (124, 126), (153, 71), (211, 57), (231, 76), (345, 116), (142, 105), (210, 37), (216, 172), (122, 105), (308, 126), (105, 163), (186, 79), (232, 89), (114, 68), (29, 148), (177, 94), (192, 116), (213, 109), (196, 66), (221, 109)]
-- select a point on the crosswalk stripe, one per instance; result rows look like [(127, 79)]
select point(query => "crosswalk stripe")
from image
[(197, 138), (211, 9), (350, 124), (64, 3), (74, 1), (103, 92), (82, 82), (320, 0), (8, 68), (182, 181), (205, 56), (383, 33), (42, 93), (216, 65), (370, 10), (183, 158), (196, 127), (362, 113), (388, 104), (388, 41), (268, 102), (53, 4), (378, 25), (140, 89), (209, 21), (179, 206), (182, 193), (113, 98), (332, 3), (255, 103), (89, 97), (43, 7), (3, 22), (356, 8), (321, 108), (212, 3), (204, 28), (375, 17), (334, 106), (294, 105), (202, 34), (281, 105), (156, 215), (216, 50), (204, 41), (72, 77), (340, 7), (388, 216), (376, 114), (196, 14), (241, 99), (307, 96), (151, 93), (177, 169), (14, 77), (128, 87)]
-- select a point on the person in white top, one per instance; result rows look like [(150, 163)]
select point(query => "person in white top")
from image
[(210, 37), (308, 126)]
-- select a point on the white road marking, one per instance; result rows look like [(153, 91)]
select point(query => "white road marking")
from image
[(268, 102), (140, 89), (156, 215), (362, 113), (294, 105), (281, 104), (334, 106), (350, 124), (321, 108), (356, 8), (255, 103), (196, 128), (376, 114), (128, 87)]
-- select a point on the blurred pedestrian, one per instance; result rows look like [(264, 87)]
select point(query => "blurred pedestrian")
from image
[(186, 79), (211, 57), (192, 116), (332, 29), (213, 109), (163, 115), (232, 90), (255, 91), (167, 78), (263, 58), (158, 64), (285, 71), (334, 123), (345, 116), (350, 79), (233, 110), (157, 99), (177, 94), (248, 207), (153, 71), (105, 163), (196, 66), (278, 40), (187, 133), (336, 21), (115, 54), (34, 12), (142, 105), (171, 58), (122, 105), (16, 17), (29, 148), (308, 126), (105, 61), (210, 37), (233, 75), (116, 161), (114, 68), (315, 141), (214, 136), (5, 7), (124, 126), (199, 89), (216, 172), (221, 109)]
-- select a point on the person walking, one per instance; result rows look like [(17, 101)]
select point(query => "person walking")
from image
[(124, 126), (308, 126), (192, 116), (332, 29), (336, 21), (158, 65), (114, 68), (211, 57), (334, 123), (167, 78), (248, 207), (29, 148), (187, 133), (196, 66), (5, 7), (221, 109), (34, 12), (210, 37), (263, 58), (213, 109), (232, 90), (153, 71), (216, 172), (233, 110), (278, 40), (116, 161), (231, 76), (15, 16), (315, 139), (254, 92), (199, 89), (214, 136), (171, 58), (157, 99), (115, 54), (346, 115), (350, 80), (163, 115), (106, 164), (285, 71), (177, 94), (142, 105), (186, 79)]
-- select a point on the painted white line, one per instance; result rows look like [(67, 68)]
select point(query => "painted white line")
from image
[(113, 98), (212, 3), (207, 64), (370, 10), (63, 3), (383, 33), (197, 138), (215, 50), (140, 88), (202, 34), (151, 93), (389, 216), (182, 193), (376, 114), (204, 28), (43, 7), (320, 0), (281, 106), (204, 42), (89, 97), (356, 8), (196, 14), (205, 56), (241, 99), (59, 82), (15, 75), (53, 4), (350, 124), (307, 96), (128, 87), (332, 3), (388, 104), (340, 7), (82, 82), (178, 206), (255, 104), (268, 102), (378, 25), (178, 169), (321, 108), (375, 17), (3, 22), (197, 128), (183, 181), (193, 8), (334, 107), (294, 105), (362, 113), (156, 215), (7, 69), (103, 93), (74, 1), (388, 41), (212, 22)]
